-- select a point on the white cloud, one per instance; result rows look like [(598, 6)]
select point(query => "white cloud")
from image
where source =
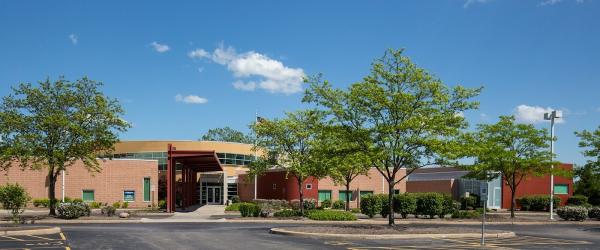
[(460, 114), (74, 39), (533, 114), (190, 99), (198, 53), (553, 2), (469, 2), (160, 48), (273, 75)]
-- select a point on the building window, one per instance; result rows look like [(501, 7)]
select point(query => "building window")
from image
[(129, 195), (324, 195), (87, 195), (146, 188), (274, 186), (308, 186), (365, 193), (343, 195), (396, 191), (561, 189)]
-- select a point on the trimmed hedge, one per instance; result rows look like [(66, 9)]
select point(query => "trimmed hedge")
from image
[(385, 207), (326, 204), (448, 206), (287, 213), (594, 213), (233, 207), (339, 204), (430, 204), (577, 200), (331, 215), (249, 209), (576, 213), (370, 205), (537, 202), (43, 202), (405, 204), (462, 214)]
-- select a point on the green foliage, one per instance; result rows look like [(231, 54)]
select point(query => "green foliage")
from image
[(326, 204), (430, 204), (162, 204), (449, 206), (385, 206), (399, 115), (508, 149), (227, 134), (370, 205), (576, 213), (287, 213), (73, 210), (338, 204), (577, 200), (55, 124), (461, 214), (108, 210), (116, 204), (588, 182), (43, 202), (468, 202), (405, 204), (235, 199), (14, 198), (249, 209), (67, 199), (594, 213), (94, 204), (331, 215), (537, 202), (78, 200), (125, 205), (233, 207)]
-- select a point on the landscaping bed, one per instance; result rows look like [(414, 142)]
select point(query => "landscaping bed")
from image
[(385, 230)]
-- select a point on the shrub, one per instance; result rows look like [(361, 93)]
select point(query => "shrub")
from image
[(448, 206), (14, 198), (594, 213), (94, 204), (235, 199), (537, 202), (273, 203), (326, 204), (355, 210), (125, 205), (265, 209), (287, 213), (331, 215), (108, 210), (430, 204), (73, 210), (249, 210), (233, 207), (67, 200), (405, 204), (162, 204), (577, 200), (466, 202), (385, 206), (339, 204), (79, 200), (117, 204), (576, 213), (43, 202), (370, 205), (462, 214)]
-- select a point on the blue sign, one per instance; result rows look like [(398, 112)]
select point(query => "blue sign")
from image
[(128, 195)]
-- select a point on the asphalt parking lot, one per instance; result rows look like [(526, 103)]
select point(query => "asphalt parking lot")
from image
[(257, 236)]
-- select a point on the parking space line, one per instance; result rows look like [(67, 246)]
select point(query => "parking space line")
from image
[(12, 238), (62, 236), (40, 237)]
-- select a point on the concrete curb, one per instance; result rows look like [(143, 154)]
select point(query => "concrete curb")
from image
[(391, 236), (408, 222), (37, 231)]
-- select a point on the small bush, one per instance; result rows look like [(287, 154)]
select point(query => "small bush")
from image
[(14, 198), (43, 202), (273, 203), (233, 207), (537, 202), (466, 202), (385, 206), (249, 210), (430, 204), (108, 210), (235, 199), (594, 213), (577, 200), (79, 200), (355, 210), (331, 215), (339, 204), (125, 205), (326, 204), (576, 213), (448, 206), (73, 210), (67, 200), (405, 204), (287, 213), (94, 204), (370, 205), (462, 214), (116, 204), (162, 204)]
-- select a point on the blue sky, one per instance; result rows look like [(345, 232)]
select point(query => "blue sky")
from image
[(181, 69)]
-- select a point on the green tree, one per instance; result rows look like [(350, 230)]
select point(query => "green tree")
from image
[(56, 124), (14, 198), (289, 144), (401, 116), (589, 175), (227, 134), (510, 150)]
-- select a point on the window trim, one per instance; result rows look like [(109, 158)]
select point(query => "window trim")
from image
[(144, 189), (308, 186)]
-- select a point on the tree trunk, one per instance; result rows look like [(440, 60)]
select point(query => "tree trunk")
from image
[(301, 195), (513, 200), (52, 192), (347, 196), (391, 203)]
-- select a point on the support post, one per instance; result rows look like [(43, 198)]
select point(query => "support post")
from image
[(170, 200)]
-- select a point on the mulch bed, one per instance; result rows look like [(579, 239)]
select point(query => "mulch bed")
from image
[(384, 229)]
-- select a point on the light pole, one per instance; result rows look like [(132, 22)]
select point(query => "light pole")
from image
[(551, 117)]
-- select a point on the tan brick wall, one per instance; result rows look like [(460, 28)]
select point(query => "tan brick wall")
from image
[(438, 186), (373, 181), (108, 185)]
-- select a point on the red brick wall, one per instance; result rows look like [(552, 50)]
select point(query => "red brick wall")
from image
[(274, 185), (115, 177), (537, 186)]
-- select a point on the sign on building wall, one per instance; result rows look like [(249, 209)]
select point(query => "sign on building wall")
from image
[(129, 195)]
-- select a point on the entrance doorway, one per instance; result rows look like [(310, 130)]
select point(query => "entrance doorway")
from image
[(213, 195)]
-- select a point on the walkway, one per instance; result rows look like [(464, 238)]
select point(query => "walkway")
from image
[(194, 214)]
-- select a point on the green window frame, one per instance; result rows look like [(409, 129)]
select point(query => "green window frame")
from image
[(365, 193), (342, 195), (324, 195), (87, 195), (561, 189), (146, 189)]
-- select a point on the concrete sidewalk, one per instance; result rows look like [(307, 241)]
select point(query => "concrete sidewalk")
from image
[(193, 214)]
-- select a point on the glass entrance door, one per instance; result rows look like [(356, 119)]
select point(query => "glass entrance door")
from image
[(213, 195)]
